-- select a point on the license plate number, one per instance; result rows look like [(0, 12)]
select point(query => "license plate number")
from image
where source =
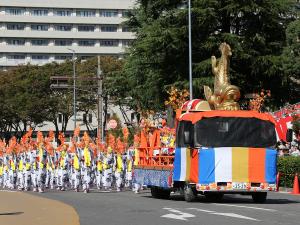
[(239, 185)]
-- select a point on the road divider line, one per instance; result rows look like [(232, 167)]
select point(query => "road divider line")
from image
[(248, 207), (235, 216)]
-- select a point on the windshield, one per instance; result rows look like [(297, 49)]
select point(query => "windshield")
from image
[(230, 132)]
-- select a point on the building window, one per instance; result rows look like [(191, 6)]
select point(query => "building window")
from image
[(84, 118), (125, 13), (15, 42), (40, 57), (109, 28), (63, 27), (40, 42), (108, 13), (126, 29), (39, 27), (15, 26), (63, 57), (63, 13), (86, 13), (86, 43), (109, 42), (127, 43), (86, 28), (90, 118), (63, 42), (14, 57), (15, 11), (39, 12)]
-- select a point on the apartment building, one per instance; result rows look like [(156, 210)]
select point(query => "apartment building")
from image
[(43, 31)]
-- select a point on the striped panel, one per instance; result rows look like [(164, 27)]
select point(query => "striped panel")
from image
[(240, 164), (270, 168), (206, 166), (257, 158), (194, 172), (183, 164), (223, 164), (177, 165)]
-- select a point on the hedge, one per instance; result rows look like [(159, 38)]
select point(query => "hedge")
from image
[(288, 166)]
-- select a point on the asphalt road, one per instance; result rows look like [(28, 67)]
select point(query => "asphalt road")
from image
[(127, 208)]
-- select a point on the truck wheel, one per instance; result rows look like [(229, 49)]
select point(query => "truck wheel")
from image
[(157, 192), (213, 197), (259, 197), (190, 193), (154, 192)]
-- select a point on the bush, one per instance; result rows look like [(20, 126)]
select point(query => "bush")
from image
[(288, 166)]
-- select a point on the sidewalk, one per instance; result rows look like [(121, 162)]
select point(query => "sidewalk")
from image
[(19, 208)]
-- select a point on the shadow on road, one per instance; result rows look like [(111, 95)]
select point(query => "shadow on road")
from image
[(11, 213)]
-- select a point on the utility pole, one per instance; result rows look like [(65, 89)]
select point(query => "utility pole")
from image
[(100, 103), (190, 52), (74, 85)]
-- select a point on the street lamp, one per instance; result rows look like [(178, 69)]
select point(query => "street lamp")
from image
[(190, 52), (74, 84)]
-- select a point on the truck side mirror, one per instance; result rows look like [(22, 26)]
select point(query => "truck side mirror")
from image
[(289, 135)]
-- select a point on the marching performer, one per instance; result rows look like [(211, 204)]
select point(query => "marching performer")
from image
[(87, 163)]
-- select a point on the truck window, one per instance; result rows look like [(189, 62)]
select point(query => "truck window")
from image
[(182, 127), (234, 132)]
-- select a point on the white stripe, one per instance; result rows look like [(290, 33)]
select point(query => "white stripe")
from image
[(248, 207), (182, 164), (223, 164), (201, 210), (234, 215), (189, 105)]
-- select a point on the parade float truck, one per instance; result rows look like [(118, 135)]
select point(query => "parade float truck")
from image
[(219, 149), (216, 153)]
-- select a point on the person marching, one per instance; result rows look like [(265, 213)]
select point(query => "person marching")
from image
[(63, 160), (108, 161), (87, 163), (119, 165)]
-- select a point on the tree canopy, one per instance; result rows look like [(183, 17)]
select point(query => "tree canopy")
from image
[(256, 30)]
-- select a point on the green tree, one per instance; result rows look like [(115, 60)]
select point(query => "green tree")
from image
[(159, 55)]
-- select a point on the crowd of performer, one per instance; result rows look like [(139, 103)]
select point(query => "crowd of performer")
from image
[(37, 165)]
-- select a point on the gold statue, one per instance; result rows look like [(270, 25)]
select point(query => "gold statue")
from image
[(225, 95)]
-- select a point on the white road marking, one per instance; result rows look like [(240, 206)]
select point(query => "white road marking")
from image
[(224, 214), (178, 216), (248, 207), (234, 216), (201, 210)]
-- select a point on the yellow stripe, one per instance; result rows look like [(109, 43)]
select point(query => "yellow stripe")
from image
[(240, 164), (188, 164)]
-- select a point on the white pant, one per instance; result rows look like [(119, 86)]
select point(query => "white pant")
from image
[(99, 179), (119, 179), (86, 178), (107, 178)]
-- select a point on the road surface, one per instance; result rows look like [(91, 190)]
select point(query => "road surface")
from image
[(127, 208)]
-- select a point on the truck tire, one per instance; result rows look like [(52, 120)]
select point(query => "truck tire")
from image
[(190, 193), (161, 193), (154, 192), (213, 197), (259, 197)]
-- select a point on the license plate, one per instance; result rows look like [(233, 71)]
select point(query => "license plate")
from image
[(239, 185)]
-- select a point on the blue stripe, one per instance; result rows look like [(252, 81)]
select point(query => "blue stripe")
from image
[(270, 168), (177, 164), (206, 166)]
